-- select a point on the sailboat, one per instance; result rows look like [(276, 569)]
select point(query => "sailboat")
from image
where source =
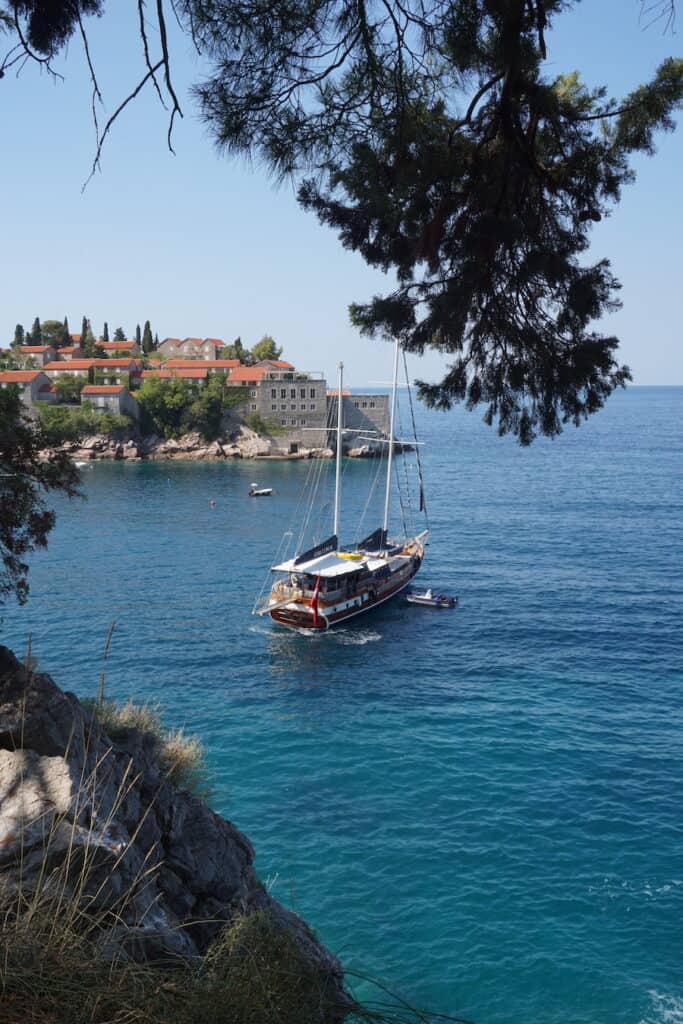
[(330, 583)]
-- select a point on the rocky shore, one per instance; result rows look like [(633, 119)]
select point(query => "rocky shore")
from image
[(165, 871), (243, 443)]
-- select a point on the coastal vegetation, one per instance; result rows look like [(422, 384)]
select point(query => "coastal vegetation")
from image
[(25, 519), (61, 423), (175, 407)]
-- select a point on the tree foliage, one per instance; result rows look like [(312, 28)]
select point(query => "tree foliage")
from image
[(147, 339), (431, 136), (119, 334), (25, 519), (266, 349), (443, 152), (53, 333), (175, 407), (18, 335)]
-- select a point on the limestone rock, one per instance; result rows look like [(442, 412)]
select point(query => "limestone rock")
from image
[(170, 870)]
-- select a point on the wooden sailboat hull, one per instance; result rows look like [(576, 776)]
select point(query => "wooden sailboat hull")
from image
[(300, 616)]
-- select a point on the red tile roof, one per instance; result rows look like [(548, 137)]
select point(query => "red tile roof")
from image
[(68, 348), (280, 364), (185, 373), (35, 348), (335, 391), (75, 337), (173, 341), (217, 364), (216, 341), (164, 374), (102, 389), (111, 346), (73, 364), (123, 361), (194, 341), (18, 376), (247, 373)]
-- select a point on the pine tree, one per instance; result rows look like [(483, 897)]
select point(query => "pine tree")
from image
[(119, 334), (18, 335), (138, 336), (147, 340), (105, 332), (88, 343), (156, 342), (36, 333)]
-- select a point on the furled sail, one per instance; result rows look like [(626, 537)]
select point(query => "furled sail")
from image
[(375, 542), (324, 548)]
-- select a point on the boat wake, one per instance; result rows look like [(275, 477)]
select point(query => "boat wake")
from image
[(355, 637), (665, 1009)]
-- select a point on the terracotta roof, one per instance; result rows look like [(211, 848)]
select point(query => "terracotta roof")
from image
[(335, 391), (71, 364), (19, 376), (75, 337), (247, 373), (34, 348), (102, 389), (69, 348), (193, 341), (173, 341), (113, 345), (280, 364), (185, 373), (123, 361), (188, 374), (216, 341), (218, 364)]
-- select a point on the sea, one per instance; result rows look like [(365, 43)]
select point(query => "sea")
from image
[(480, 808)]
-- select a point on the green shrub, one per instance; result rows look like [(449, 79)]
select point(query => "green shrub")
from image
[(62, 423), (256, 422)]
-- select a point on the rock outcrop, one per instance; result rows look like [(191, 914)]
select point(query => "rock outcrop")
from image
[(94, 817)]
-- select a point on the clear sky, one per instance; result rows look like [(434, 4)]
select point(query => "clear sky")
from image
[(204, 245)]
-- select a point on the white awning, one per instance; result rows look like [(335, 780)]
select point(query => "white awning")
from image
[(331, 565)]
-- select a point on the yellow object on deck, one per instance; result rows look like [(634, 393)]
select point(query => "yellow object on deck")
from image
[(354, 556)]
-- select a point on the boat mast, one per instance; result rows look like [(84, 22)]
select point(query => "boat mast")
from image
[(387, 494), (337, 478)]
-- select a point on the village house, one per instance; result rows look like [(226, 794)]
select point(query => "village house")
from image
[(69, 352), (294, 400), (117, 371), (34, 386), (192, 348), (69, 368), (130, 348), (38, 355), (114, 399), (363, 413), (211, 365)]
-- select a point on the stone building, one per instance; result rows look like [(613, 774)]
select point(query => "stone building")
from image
[(294, 400), (34, 385), (369, 413), (34, 355), (111, 398)]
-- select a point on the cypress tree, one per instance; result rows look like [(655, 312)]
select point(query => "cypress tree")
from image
[(138, 336), (147, 340), (156, 342), (36, 333), (67, 335), (105, 332), (18, 335)]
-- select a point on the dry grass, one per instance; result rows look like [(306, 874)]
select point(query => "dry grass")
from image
[(181, 756)]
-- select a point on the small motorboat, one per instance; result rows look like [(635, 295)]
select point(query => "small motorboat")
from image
[(430, 599), (260, 492)]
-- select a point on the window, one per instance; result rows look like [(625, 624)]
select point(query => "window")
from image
[(372, 405), (273, 392), (303, 407), (365, 405), (312, 392), (273, 408), (283, 422), (283, 392), (293, 407), (302, 392), (313, 406), (283, 407), (292, 392), (252, 394), (357, 405), (303, 422), (253, 407)]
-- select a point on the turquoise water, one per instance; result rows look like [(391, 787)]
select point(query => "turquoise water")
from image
[(482, 807)]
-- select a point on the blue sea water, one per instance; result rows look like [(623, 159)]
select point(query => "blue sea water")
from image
[(482, 807)]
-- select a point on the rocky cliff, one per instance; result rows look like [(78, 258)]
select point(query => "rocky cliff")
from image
[(94, 817)]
